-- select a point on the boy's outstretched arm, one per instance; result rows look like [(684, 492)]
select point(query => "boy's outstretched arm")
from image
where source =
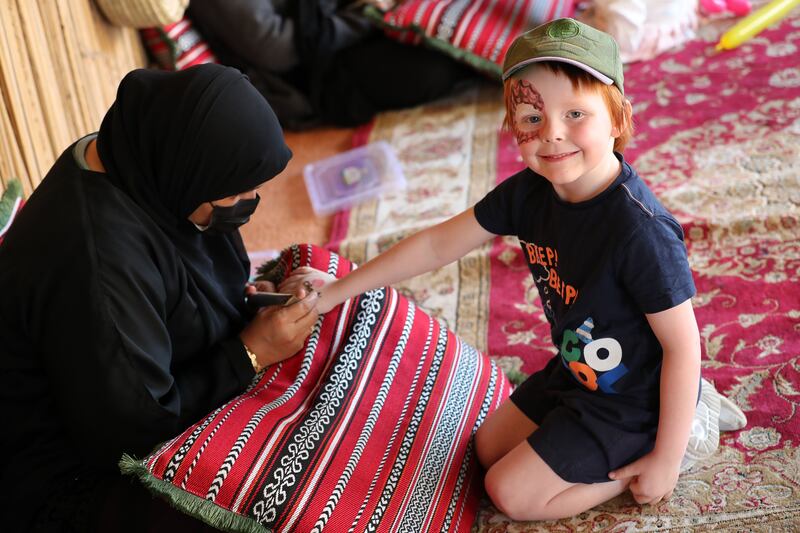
[(655, 474), (422, 252)]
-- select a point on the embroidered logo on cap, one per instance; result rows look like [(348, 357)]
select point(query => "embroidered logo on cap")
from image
[(563, 29)]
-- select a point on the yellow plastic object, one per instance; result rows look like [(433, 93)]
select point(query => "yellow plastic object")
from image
[(755, 22)]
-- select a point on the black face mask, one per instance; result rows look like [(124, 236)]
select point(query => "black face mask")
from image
[(229, 219)]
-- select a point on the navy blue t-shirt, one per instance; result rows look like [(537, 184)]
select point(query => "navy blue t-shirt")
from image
[(599, 266)]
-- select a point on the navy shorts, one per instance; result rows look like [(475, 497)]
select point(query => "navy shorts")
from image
[(583, 436)]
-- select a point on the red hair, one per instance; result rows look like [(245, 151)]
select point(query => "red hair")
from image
[(618, 107)]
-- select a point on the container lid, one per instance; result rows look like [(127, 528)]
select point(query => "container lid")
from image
[(351, 177)]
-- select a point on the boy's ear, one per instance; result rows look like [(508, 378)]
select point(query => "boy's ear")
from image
[(627, 114)]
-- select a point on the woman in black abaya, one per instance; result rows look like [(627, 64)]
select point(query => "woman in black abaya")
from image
[(122, 286)]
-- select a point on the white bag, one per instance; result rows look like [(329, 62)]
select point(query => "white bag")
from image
[(644, 28)]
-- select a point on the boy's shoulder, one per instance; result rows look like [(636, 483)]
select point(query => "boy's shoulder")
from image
[(637, 210), (634, 194)]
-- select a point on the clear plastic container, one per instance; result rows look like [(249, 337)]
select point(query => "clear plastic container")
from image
[(351, 177)]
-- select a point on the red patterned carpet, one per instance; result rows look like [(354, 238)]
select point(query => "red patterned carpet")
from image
[(718, 139)]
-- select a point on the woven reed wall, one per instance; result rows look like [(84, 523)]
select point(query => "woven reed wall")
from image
[(60, 64)]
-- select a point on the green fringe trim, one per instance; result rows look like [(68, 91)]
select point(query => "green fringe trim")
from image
[(9, 198), (265, 271), (170, 43), (202, 509), (516, 376), (475, 61)]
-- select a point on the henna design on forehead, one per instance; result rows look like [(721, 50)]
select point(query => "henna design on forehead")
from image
[(523, 92)]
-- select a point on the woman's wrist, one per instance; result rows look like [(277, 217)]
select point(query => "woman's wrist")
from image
[(253, 348), (257, 367)]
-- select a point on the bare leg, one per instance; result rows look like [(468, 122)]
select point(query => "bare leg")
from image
[(524, 487), (501, 432), (519, 482)]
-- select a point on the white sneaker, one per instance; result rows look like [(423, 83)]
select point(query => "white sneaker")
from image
[(704, 436), (731, 418)]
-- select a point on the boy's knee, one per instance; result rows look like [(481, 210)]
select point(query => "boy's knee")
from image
[(517, 503)]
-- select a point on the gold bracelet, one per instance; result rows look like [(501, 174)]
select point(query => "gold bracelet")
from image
[(253, 359)]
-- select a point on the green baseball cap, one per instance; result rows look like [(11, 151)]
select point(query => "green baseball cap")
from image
[(569, 41)]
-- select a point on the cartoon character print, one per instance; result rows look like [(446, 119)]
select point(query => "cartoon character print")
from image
[(541, 281), (601, 366)]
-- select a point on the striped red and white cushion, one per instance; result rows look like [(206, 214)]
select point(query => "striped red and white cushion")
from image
[(477, 32), (177, 46), (368, 428)]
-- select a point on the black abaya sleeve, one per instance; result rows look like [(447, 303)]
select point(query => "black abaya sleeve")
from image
[(117, 325)]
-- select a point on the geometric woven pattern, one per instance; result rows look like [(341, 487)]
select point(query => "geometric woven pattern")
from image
[(368, 428)]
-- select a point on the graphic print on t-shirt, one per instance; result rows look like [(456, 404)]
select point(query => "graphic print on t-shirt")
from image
[(549, 281), (595, 363)]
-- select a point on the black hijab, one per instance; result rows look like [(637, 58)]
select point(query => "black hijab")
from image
[(174, 140)]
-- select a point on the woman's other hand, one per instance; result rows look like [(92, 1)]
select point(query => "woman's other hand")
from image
[(276, 333), (317, 279)]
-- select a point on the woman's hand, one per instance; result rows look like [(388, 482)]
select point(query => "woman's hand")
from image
[(653, 477), (259, 286), (276, 333), (318, 279)]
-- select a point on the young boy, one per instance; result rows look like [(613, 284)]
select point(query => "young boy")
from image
[(613, 410)]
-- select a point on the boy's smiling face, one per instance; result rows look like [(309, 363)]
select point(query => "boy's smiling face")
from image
[(564, 134)]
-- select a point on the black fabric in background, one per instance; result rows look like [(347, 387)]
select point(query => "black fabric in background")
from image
[(337, 67), (379, 74)]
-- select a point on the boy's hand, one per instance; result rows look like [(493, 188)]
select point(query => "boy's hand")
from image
[(318, 279), (653, 477)]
